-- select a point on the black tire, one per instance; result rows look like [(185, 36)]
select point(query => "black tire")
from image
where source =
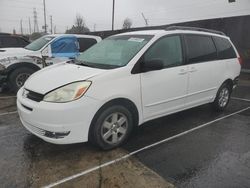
[(222, 99), (96, 134), (15, 77)]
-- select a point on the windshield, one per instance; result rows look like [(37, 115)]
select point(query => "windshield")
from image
[(39, 43), (114, 51)]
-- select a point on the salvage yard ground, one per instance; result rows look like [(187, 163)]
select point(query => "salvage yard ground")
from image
[(194, 148)]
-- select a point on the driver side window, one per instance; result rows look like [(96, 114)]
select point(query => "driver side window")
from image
[(168, 50), (64, 45)]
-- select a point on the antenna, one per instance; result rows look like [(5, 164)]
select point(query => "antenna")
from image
[(146, 20)]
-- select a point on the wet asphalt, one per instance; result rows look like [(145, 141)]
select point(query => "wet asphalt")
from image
[(217, 155)]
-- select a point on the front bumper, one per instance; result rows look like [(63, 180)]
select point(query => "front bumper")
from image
[(58, 123)]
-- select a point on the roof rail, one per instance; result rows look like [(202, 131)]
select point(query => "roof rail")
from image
[(194, 29)]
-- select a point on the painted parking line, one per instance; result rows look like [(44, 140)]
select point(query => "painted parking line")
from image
[(7, 97), (140, 150), (240, 99), (8, 113)]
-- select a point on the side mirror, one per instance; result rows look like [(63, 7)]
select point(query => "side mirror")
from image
[(46, 52), (154, 64)]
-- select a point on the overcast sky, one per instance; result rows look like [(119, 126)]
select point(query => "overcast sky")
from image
[(98, 12)]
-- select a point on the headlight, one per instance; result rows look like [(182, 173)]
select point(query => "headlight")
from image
[(8, 60), (68, 93)]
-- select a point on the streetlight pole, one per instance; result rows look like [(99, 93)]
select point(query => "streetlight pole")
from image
[(44, 12), (113, 15)]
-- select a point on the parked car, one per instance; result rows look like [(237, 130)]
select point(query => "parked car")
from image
[(12, 41), (126, 80), (17, 64)]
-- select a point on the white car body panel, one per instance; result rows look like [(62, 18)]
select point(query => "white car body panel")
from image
[(17, 52), (72, 73), (155, 94)]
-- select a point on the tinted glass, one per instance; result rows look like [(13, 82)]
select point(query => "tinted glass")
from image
[(22, 42), (225, 49), (200, 48), (9, 42), (85, 43), (167, 49)]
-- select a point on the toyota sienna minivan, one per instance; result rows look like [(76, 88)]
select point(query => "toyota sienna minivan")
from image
[(126, 80)]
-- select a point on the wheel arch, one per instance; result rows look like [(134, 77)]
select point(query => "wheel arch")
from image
[(118, 101), (230, 82), (15, 66)]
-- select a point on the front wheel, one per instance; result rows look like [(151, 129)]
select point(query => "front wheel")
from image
[(222, 98), (112, 127), (18, 77)]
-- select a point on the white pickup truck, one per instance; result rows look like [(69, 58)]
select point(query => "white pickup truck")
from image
[(17, 64)]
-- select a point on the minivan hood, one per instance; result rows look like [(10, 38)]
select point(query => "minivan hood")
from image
[(58, 75), (13, 52)]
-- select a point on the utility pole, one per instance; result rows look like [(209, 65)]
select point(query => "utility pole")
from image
[(44, 14), (55, 29), (51, 25), (94, 27), (113, 15), (21, 26), (29, 26), (146, 20), (36, 28)]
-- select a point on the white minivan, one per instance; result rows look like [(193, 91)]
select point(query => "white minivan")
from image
[(126, 80)]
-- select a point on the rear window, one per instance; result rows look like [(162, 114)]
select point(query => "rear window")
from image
[(225, 49), (86, 43), (22, 42), (200, 48), (9, 42)]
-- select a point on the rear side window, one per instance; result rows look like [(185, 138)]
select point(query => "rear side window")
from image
[(225, 49), (22, 42), (200, 48), (86, 43), (9, 42)]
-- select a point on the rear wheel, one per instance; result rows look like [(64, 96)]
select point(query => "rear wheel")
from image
[(222, 98), (112, 127), (18, 77)]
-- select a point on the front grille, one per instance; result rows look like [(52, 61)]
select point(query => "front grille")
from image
[(34, 96)]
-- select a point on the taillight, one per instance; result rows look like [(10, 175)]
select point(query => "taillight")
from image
[(240, 60)]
